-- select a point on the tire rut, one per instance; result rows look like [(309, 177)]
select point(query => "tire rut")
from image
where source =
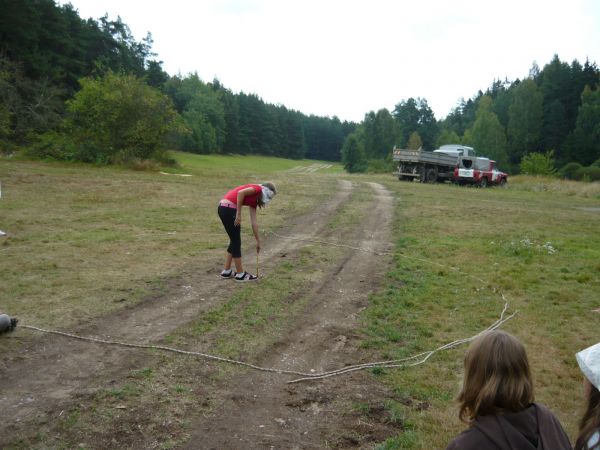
[(47, 372), (262, 411)]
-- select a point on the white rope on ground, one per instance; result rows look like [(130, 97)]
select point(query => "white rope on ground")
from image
[(405, 362), (304, 376), (164, 348), (397, 363)]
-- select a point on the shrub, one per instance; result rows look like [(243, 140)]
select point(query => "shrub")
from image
[(53, 145), (379, 166), (596, 163), (570, 170), (538, 163), (591, 173), (119, 118)]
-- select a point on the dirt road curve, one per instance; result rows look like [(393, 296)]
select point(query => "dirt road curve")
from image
[(255, 409)]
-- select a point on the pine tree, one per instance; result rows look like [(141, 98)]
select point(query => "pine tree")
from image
[(585, 147), (353, 155)]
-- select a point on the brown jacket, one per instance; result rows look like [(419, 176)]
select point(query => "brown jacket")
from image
[(534, 428)]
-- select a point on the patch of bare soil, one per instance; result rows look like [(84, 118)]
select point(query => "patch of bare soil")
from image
[(48, 374)]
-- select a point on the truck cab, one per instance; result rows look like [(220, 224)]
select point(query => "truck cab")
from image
[(456, 150)]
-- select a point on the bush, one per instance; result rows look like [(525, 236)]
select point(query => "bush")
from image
[(53, 145), (538, 164), (591, 173), (596, 163), (119, 118), (380, 166), (569, 171)]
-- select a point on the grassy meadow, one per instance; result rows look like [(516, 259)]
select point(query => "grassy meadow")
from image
[(537, 243), (84, 241)]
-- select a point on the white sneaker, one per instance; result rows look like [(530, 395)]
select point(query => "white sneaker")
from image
[(245, 276)]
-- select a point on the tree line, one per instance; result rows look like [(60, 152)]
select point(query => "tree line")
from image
[(87, 90), (554, 112)]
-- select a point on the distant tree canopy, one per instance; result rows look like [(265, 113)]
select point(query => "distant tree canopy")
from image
[(550, 111), (46, 50)]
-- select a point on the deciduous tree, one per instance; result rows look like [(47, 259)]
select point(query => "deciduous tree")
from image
[(414, 141), (525, 119), (447, 137), (487, 135), (117, 118)]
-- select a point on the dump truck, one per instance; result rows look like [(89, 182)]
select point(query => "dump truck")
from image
[(429, 167)]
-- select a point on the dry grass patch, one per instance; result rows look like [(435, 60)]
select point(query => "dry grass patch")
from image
[(552, 184)]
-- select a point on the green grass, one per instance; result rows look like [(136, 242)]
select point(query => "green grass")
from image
[(250, 164), (84, 241), (263, 310), (540, 249)]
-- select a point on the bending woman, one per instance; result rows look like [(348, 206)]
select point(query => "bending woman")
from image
[(230, 213)]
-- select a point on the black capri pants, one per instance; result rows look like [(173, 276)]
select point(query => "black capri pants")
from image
[(227, 216)]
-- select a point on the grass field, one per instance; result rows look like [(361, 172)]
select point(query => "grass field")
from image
[(83, 241), (538, 247)]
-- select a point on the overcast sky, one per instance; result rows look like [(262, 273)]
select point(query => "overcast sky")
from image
[(346, 57)]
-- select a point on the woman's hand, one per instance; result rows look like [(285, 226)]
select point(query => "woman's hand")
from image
[(238, 219), (258, 246)]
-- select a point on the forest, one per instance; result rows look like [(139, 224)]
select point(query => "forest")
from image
[(551, 117), (86, 90)]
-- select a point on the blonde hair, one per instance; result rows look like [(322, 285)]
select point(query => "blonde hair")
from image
[(497, 377)]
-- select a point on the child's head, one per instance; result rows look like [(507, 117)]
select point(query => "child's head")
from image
[(497, 376), (589, 362)]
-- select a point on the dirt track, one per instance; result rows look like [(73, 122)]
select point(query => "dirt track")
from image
[(255, 409)]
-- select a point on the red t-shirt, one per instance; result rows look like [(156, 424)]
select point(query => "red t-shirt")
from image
[(249, 200)]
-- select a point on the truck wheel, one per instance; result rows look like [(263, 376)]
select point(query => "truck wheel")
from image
[(503, 182), (430, 176), (483, 182)]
